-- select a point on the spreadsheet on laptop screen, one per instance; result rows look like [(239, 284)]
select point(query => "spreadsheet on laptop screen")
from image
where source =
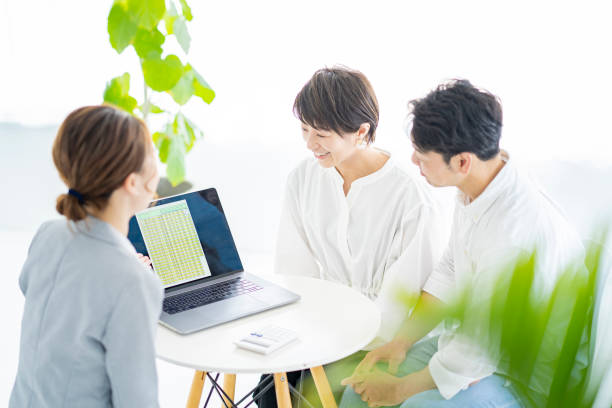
[(172, 240), (187, 238)]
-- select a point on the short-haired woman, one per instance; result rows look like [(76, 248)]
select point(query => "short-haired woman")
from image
[(91, 308), (351, 215)]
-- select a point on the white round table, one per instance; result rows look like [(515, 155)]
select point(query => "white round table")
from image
[(332, 321)]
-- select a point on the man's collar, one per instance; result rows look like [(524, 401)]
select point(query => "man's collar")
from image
[(476, 208)]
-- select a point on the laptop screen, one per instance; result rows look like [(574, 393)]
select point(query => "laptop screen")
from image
[(186, 237)]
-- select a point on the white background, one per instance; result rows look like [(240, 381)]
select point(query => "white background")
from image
[(550, 63)]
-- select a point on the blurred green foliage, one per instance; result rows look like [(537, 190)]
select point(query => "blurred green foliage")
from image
[(541, 338), (146, 25)]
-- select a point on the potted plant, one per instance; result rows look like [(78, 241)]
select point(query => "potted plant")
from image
[(145, 25)]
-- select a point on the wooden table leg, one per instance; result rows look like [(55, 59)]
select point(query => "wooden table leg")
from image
[(323, 388), (281, 385), (229, 386), (195, 394)]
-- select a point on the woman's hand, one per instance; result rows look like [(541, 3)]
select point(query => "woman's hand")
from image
[(394, 353), (145, 260)]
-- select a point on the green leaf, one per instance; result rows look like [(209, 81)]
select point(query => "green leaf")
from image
[(169, 18), (192, 130), (184, 131), (162, 143), (184, 89), (148, 43), (186, 10), (121, 28), (181, 33), (146, 13), (162, 75), (175, 170), (155, 109), (202, 89), (117, 93)]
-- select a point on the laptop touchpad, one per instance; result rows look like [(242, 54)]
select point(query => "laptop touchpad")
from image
[(215, 313)]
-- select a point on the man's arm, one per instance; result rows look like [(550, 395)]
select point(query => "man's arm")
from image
[(428, 312)]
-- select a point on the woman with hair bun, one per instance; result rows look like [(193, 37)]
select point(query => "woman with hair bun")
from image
[(91, 307)]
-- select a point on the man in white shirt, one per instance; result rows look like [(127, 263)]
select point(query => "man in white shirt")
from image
[(500, 215)]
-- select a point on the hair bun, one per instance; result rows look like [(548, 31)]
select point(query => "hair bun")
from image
[(70, 207)]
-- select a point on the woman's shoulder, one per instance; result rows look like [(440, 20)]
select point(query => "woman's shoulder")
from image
[(307, 170), (407, 183)]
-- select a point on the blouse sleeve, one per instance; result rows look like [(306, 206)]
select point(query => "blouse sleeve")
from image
[(293, 253), (129, 341), (423, 238)]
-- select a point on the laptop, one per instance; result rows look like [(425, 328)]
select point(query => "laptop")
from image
[(191, 248)]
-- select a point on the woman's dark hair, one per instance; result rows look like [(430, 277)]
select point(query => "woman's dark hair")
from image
[(95, 149), (457, 117), (338, 99)]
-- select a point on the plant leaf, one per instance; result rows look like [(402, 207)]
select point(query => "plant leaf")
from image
[(175, 170), (197, 132), (202, 89), (148, 43), (162, 75), (121, 28), (146, 13), (117, 93), (184, 89), (169, 18), (164, 147), (182, 34), (155, 109), (191, 135), (186, 10)]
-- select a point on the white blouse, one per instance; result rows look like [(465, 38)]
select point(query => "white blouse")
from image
[(383, 238)]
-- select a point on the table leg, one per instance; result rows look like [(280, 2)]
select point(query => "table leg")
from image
[(229, 386), (323, 388), (195, 394), (281, 385)]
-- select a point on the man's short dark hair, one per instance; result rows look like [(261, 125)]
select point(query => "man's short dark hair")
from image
[(455, 118), (338, 99)]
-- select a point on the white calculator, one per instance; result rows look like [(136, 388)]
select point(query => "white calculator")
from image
[(267, 340)]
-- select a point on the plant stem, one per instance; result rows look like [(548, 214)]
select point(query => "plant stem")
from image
[(145, 110)]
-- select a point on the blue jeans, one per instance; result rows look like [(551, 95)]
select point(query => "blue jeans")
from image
[(490, 392)]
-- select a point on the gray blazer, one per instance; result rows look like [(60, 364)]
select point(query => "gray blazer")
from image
[(89, 322)]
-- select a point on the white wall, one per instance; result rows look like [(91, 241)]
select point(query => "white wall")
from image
[(548, 61)]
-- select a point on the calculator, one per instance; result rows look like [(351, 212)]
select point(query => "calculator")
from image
[(266, 340)]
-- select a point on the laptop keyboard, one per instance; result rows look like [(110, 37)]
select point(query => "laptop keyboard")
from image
[(209, 294)]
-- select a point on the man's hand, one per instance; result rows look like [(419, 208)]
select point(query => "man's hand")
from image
[(380, 389)]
